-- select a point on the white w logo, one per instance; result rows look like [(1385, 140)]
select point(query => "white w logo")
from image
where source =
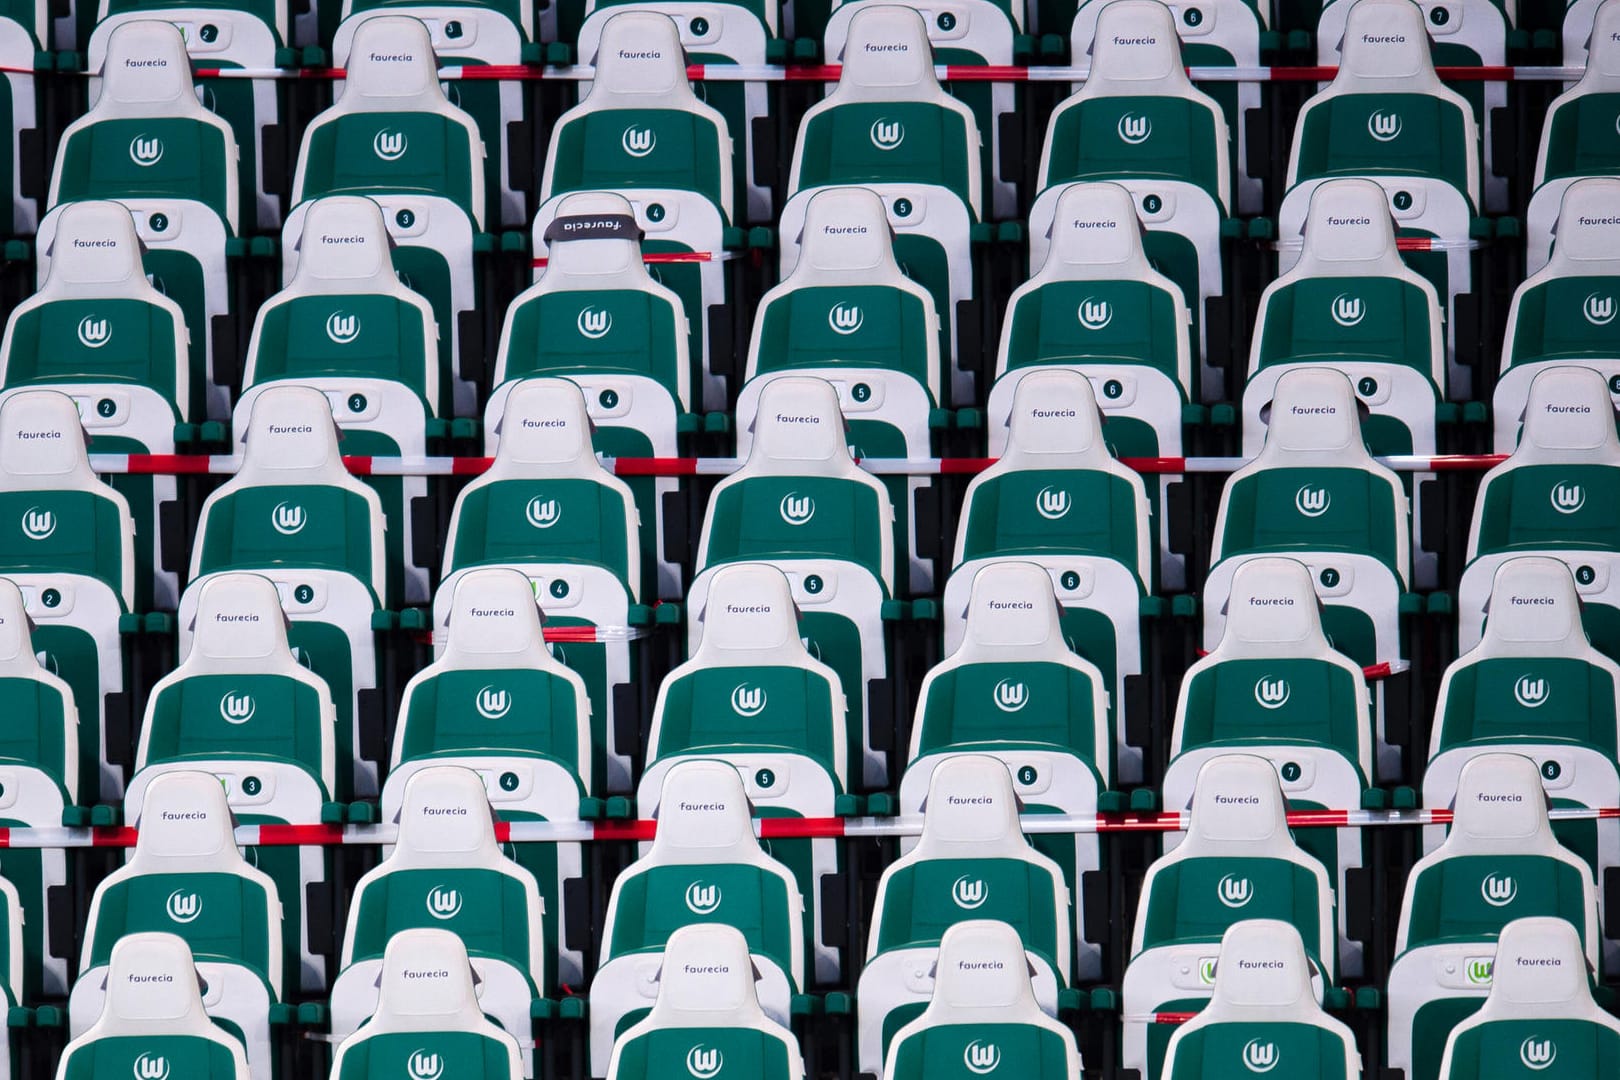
[(704, 1063), (1260, 1057), (1531, 692), (145, 152), (183, 907), (1348, 310), (888, 135), (1271, 693), (150, 1066), (422, 1065), (342, 328), (38, 524), (748, 700), (1384, 126), (1599, 310), (593, 323), (1050, 504), (443, 903), (638, 142), (702, 899), (1095, 314), (797, 509), (389, 145), (237, 708), (1567, 498), (981, 1057), (543, 513), (1011, 696), (287, 519), (969, 894), (845, 318), (1498, 891), (1537, 1054), (1135, 129), (492, 704), (1234, 891), (1312, 502), (94, 332)]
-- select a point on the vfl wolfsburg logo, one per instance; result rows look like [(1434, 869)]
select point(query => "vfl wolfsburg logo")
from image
[(1478, 971), (150, 1066), (1537, 1054), (1567, 498), (888, 134), (638, 142), (144, 151), (1135, 129), (1095, 314), (1313, 502), (845, 318), (1348, 310), (38, 524), (1260, 1057), (389, 145), (443, 903), (423, 1065), (543, 513), (969, 894), (288, 519), (1206, 971), (1599, 310), (492, 704), (94, 332), (1010, 696), (1531, 691), (702, 899), (748, 701), (183, 907), (1498, 891), (981, 1057), (797, 509), (1271, 693), (237, 708), (1051, 504), (703, 1062), (594, 323), (342, 328), (1384, 126), (1234, 891)]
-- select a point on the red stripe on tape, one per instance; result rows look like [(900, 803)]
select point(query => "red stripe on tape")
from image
[(625, 830), (300, 834), (655, 466), (791, 828)]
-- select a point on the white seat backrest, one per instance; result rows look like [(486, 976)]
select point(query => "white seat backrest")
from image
[(1385, 49), (43, 447), (1568, 420), (1602, 74), (1013, 617), (707, 979), (1540, 974), (593, 243), (749, 618), (146, 73), (546, 431), (153, 988), (982, 976), (846, 240), (1272, 611), (445, 820), (704, 817), (1262, 975), (1586, 238), (1238, 810), (1534, 611), (239, 625), (345, 248), (971, 812), (292, 439), (186, 826), (1348, 231), (1055, 424), (641, 64), (495, 622), (798, 430), (1096, 235), (17, 657), (427, 985), (1315, 420), (94, 254), (392, 68), (1136, 52)]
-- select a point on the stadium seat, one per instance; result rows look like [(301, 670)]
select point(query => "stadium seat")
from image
[(152, 1021), (149, 143), (447, 873), (801, 503), (1578, 137), (1237, 861), (1499, 862), (704, 866), (293, 514), (706, 1015), (347, 326), (496, 701), (1262, 1013), (186, 877), (888, 126), (71, 552), (1349, 303), (1056, 497), (597, 317), (1552, 497), (429, 1015), (129, 397), (1575, 28), (1564, 313), (971, 862), (587, 574), (1540, 1009), (982, 1012), (23, 32), (241, 707)]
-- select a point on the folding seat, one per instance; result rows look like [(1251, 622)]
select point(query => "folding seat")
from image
[(1097, 306), (971, 862), (1349, 303), (1237, 861), (130, 397), (1553, 496), (1578, 137), (848, 314), (71, 552), (347, 326), (149, 143), (293, 514), (446, 872), (1316, 495), (433, 200), (752, 695), (703, 866), (889, 126), (153, 1022), (186, 877), (706, 1014), (497, 702), (1535, 650), (241, 707), (597, 317), (1386, 117), (1056, 497), (1564, 313), (430, 1018), (587, 573), (1262, 1012), (1500, 862), (1539, 1012)]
